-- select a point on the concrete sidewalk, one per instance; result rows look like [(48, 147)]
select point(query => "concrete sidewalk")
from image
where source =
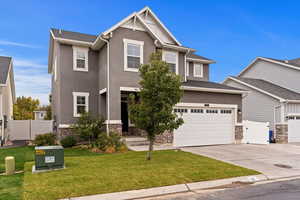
[(158, 191)]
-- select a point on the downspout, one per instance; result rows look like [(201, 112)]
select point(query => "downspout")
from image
[(107, 87), (185, 66)]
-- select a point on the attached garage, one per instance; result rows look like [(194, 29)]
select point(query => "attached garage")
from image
[(206, 125), (294, 128)]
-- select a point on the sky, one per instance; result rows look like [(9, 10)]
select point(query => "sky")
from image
[(232, 33)]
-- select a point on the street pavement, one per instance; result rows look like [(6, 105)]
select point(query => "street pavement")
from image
[(285, 190)]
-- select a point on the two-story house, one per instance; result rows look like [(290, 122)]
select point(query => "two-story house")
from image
[(96, 73), (7, 94), (274, 95)]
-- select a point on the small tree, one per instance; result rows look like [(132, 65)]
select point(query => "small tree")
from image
[(24, 107), (152, 109), (88, 127)]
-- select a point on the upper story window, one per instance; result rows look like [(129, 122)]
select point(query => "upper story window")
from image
[(171, 58), (133, 54), (198, 70), (80, 103), (80, 59)]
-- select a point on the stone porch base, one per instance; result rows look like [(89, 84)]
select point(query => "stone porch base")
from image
[(281, 133)]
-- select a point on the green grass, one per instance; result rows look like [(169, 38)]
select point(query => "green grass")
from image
[(96, 174), (11, 187)]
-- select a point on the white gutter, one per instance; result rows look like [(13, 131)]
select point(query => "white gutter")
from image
[(107, 87)]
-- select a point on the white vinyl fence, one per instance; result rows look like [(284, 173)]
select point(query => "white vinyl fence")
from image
[(28, 129), (255, 132)]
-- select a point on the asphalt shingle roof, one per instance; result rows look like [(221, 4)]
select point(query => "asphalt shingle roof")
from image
[(208, 84), (73, 35), (195, 56), (270, 88), (4, 68)]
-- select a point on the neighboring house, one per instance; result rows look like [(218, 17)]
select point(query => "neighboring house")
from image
[(274, 96), (39, 114), (7, 94), (96, 73)]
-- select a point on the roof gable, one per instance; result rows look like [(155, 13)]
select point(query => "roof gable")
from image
[(145, 20), (293, 64)]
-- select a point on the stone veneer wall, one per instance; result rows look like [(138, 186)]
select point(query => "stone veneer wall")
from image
[(281, 133), (117, 128), (238, 133), (166, 137)]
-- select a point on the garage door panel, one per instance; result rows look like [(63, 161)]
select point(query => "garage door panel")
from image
[(205, 129)]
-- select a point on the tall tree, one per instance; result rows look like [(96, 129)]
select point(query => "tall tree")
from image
[(152, 108), (24, 107)]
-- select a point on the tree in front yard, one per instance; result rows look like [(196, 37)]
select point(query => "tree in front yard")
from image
[(24, 107), (152, 108)]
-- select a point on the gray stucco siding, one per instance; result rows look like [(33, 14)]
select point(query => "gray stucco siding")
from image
[(191, 72), (213, 98), (76, 81), (256, 105), (275, 73)]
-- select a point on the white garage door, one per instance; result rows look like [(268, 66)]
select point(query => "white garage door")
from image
[(204, 126), (294, 129)]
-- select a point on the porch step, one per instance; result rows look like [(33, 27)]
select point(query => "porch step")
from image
[(136, 141)]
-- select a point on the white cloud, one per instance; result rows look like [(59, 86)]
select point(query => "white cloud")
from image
[(28, 63), (17, 44), (34, 84)]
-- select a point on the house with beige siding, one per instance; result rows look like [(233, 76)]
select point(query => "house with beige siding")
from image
[(274, 95), (7, 94), (96, 73)]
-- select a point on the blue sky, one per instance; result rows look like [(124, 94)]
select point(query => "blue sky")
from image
[(231, 32)]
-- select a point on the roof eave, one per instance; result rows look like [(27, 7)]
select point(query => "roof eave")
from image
[(201, 60), (215, 90)]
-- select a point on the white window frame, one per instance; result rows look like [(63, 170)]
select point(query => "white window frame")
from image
[(164, 52), (86, 55), (55, 68), (201, 70), (75, 95), (135, 42)]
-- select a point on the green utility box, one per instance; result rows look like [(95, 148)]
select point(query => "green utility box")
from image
[(49, 157)]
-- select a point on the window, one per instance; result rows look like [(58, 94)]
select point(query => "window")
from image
[(225, 111), (133, 55), (171, 58), (80, 59), (196, 110), (178, 110), (212, 111), (198, 70), (80, 103)]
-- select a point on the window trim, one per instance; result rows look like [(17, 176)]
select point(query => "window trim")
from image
[(75, 95), (177, 57), (201, 70), (86, 54), (135, 42)]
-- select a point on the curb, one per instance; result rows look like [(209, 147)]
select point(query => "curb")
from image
[(158, 191)]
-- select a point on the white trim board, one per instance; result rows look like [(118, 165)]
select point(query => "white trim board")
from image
[(130, 89), (102, 91)]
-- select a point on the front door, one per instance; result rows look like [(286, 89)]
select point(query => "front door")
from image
[(124, 116)]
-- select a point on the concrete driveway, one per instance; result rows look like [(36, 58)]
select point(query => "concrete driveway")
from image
[(262, 158)]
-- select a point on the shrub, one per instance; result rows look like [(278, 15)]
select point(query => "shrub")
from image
[(68, 141), (88, 127), (111, 143), (46, 139)]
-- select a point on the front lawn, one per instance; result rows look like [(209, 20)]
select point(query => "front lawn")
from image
[(96, 173)]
